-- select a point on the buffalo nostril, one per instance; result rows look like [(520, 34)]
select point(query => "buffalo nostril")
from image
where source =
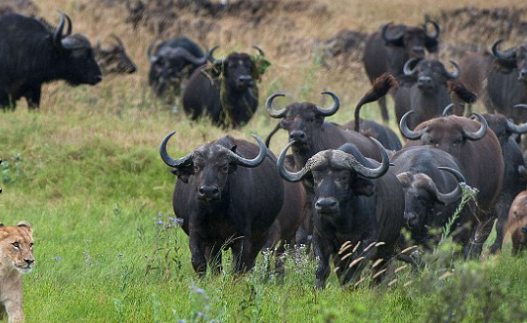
[(418, 50), (99, 78)]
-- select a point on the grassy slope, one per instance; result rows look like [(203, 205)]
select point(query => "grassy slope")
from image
[(91, 183)]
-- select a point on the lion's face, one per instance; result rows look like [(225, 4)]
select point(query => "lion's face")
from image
[(16, 247)]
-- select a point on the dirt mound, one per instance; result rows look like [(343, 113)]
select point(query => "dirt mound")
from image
[(471, 25), (25, 7)]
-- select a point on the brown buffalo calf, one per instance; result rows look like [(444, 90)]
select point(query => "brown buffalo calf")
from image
[(517, 224)]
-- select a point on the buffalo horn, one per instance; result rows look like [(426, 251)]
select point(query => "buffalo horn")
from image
[(499, 55), (481, 132), (250, 163), (406, 132), (516, 128), (287, 175), (272, 111), (173, 162), (334, 108), (436, 27), (384, 34), (455, 75), (455, 195)]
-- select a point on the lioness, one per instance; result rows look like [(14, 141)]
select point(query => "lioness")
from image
[(16, 258)]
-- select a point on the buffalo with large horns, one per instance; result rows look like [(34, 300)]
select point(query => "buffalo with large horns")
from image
[(228, 195), (31, 55), (305, 122), (388, 49), (227, 92), (357, 202), (431, 194), (479, 155), (514, 168), (171, 62)]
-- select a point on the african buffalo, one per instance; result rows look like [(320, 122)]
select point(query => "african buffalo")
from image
[(507, 82), (428, 91), (388, 49), (31, 55), (431, 195), (226, 200), (356, 202), (173, 61), (113, 59), (478, 153), (307, 128), (228, 95)]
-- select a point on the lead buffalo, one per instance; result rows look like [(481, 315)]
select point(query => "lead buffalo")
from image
[(31, 55), (311, 133), (479, 155), (431, 195), (356, 202), (390, 48), (228, 93), (173, 61), (226, 200), (507, 82)]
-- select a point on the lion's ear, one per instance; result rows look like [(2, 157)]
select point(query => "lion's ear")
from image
[(25, 225)]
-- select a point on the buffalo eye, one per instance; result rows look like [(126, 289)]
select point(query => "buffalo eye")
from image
[(225, 168), (196, 169), (16, 245)]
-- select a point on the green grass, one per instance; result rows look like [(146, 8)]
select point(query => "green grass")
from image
[(90, 181)]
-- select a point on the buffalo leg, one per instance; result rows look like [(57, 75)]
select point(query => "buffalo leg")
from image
[(384, 110), (197, 251), (479, 236), (33, 97), (322, 254)]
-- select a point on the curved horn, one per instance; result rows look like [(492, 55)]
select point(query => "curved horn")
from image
[(517, 128), (447, 110), (482, 131), (500, 55), (118, 40), (366, 172), (189, 56), (57, 34), (272, 111), (210, 55), (173, 162), (407, 70), (405, 131), (260, 51), (455, 195), (334, 108), (436, 27), (250, 163), (455, 75), (70, 26), (387, 38), (287, 175), (149, 53)]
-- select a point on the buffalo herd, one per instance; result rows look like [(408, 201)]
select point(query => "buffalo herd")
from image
[(353, 192)]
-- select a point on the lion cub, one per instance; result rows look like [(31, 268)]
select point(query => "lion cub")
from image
[(16, 258)]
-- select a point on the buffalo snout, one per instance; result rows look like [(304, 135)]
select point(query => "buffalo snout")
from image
[(245, 81), (425, 82), (209, 192), (327, 205), (298, 136)]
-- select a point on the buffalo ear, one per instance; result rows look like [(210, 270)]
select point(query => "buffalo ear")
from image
[(523, 173), (504, 66), (183, 173), (363, 187), (405, 179)]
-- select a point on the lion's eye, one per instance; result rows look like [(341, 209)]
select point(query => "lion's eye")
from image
[(31, 245), (16, 245)]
